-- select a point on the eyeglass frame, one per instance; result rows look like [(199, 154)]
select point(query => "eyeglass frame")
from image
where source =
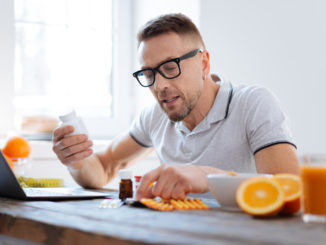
[(188, 55)]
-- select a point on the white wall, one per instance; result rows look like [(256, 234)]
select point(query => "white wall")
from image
[(279, 44), (6, 65)]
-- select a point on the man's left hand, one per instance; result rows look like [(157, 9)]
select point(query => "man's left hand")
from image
[(173, 181)]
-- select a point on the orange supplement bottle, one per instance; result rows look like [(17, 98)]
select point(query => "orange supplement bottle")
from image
[(125, 187)]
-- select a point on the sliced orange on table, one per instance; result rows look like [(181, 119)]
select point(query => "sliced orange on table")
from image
[(260, 197), (291, 185)]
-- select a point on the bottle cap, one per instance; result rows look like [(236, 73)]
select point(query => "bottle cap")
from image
[(138, 178), (125, 174), (68, 116)]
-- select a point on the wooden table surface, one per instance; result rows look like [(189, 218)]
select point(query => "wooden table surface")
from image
[(84, 222)]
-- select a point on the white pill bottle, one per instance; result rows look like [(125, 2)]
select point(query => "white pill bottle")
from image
[(72, 119)]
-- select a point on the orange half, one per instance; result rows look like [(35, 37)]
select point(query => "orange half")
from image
[(292, 188), (260, 197)]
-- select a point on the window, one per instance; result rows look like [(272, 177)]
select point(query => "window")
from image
[(80, 54), (63, 60)]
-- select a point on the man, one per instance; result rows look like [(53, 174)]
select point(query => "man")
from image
[(200, 125)]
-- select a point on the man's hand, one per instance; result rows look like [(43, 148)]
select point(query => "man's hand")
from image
[(70, 149), (174, 181)]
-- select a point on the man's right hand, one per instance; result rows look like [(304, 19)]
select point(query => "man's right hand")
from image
[(70, 149)]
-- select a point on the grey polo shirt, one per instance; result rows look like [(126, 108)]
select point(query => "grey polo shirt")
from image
[(242, 121)]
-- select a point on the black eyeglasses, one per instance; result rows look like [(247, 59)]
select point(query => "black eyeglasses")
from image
[(168, 69)]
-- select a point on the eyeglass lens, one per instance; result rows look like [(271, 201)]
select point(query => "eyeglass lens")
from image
[(168, 70)]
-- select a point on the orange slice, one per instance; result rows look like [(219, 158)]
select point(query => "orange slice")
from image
[(17, 147), (291, 185), (9, 160), (260, 197), (232, 173)]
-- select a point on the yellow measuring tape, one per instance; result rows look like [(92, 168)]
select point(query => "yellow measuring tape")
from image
[(38, 182)]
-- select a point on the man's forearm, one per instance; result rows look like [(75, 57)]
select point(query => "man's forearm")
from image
[(89, 172)]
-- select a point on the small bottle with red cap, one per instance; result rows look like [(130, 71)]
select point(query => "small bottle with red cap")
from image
[(137, 181)]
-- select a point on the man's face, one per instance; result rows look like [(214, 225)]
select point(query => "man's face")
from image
[(177, 96)]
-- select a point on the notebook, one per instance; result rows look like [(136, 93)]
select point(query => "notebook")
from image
[(10, 187)]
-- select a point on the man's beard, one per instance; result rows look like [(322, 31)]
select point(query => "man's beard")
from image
[(187, 107)]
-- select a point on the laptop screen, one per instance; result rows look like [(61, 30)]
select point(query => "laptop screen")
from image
[(9, 185)]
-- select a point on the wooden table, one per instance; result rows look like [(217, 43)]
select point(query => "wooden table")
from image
[(84, 222)]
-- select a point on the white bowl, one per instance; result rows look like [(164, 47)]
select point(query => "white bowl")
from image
[(224, 186)]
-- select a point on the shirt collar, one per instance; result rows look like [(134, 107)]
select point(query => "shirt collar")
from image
[(218, 112), (220, 108)]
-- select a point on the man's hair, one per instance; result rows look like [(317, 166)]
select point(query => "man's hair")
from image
[(178, 23)]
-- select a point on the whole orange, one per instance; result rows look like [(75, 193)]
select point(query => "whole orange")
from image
[(17, 147)]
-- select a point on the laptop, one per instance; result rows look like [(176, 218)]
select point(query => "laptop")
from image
[(10, 187)]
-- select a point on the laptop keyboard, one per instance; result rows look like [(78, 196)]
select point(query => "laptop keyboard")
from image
[(44, 192)]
